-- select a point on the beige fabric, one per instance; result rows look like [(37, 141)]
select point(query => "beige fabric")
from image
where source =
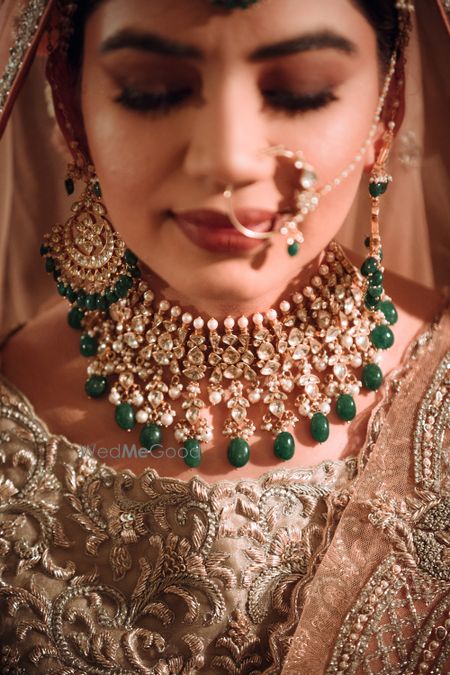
[(32, 199), (379, 601)]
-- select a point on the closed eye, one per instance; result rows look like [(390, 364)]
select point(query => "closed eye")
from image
[(163, 101)]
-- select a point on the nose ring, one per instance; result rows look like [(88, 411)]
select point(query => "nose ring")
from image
[(228, 194), (306, 199)]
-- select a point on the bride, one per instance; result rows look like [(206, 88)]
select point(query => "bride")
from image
[(214, 455)]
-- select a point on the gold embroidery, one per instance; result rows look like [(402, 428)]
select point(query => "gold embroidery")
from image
[(105, 572)]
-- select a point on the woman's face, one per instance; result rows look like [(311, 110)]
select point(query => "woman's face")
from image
[(180, 99)]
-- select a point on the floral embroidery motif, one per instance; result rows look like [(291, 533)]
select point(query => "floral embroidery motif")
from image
[(104, 572), (243, 646), (419, 530)]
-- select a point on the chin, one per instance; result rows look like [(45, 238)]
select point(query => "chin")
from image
[(228, 283)]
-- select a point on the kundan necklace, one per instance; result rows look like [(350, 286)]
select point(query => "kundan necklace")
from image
[(323, 345)]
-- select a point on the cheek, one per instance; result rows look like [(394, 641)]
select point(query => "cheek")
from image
[(332, 139), (331, 142), (132, 157)]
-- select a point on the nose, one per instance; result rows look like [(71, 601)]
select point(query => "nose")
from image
[(228, 137)]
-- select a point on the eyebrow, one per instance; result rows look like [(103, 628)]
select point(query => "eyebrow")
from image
[(148, 42), (156, 44), (324, 39)]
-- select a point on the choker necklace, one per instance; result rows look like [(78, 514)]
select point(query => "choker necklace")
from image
[(322, 346)]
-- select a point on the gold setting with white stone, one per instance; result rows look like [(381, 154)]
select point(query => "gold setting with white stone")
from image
[(311, 347)]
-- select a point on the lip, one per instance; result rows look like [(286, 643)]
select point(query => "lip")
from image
[(213, 230)]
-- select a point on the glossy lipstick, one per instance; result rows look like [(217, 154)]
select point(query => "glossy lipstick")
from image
[(213, 230)]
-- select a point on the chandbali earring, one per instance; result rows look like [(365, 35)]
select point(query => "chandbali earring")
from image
[(305, 201), (89, 261), (372, 269)]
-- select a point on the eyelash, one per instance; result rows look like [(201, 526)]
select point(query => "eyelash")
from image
[(163, 102)]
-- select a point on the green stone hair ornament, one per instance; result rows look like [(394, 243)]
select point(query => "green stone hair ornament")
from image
[(234, 4)]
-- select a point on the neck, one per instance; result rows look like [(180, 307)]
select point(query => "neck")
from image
[(222, 305)]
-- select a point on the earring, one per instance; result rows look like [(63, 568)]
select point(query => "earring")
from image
[(372, 269), (89, 261), (305, 201)]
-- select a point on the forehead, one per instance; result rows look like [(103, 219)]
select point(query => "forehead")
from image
[(210, 29)]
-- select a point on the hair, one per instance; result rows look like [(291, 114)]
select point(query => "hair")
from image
[(381, 14), (383, 17)]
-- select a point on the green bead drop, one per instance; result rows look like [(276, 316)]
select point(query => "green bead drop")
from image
[(120, 290), (319, 427), (371, 303), (389, 311), (50, 265), (111, 296), (91, 302), (125, 416), (61, 288), (378, 189), (372, 377), (88, 345), (238, 452), (193, 456), (294, 248), (367, 242), (284, 446), (130, 258), (135, 272), (150, 435), (102, 303), (382, 337), (369, 266), (44, 249), (74, 318), (71, 295), (96, 386), (346, 407), (376, 278), (70, 186), (97, 190), (81, 299), (375, 291)]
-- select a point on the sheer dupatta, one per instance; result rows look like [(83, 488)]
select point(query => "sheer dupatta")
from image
[(379, 596)]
